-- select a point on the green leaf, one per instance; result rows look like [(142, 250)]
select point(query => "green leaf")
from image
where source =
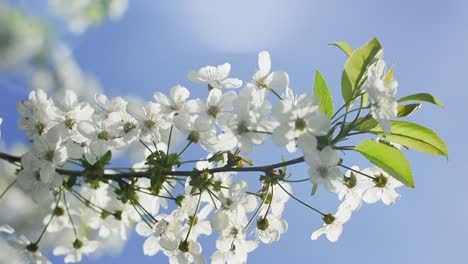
[(322, 92), (314, 190), (414, 136), (356, 67), (389, 76), (409, 109), (344, 46), (422, 97), (389, 159)]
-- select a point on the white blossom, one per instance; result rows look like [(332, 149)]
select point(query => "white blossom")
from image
[(263, 80), (381, 95), (382, 187), (324, 168), (215, 77), (333, 224), (73, 252), (297, 116)]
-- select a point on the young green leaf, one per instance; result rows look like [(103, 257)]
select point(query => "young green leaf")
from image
[(344, 46), (422, 97), (356, 67), (389, 159), (415, 137), (314, 190), (409, 109), (389, 76), (323, 94)]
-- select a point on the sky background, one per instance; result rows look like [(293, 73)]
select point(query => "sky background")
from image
[(156, 43)]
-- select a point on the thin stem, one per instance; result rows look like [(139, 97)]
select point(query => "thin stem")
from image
[(356, 171), (194, 215), (275, 93), (271, 201), (339, 110), (7, 188), (211, 197), (301, 202), (348, 112), (261, 132), (169, 140), (186, 147), (69, 215), (146, 146), (141, 216), (301, 180), (258, 208), (50, 220)]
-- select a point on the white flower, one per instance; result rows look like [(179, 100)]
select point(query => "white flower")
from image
[(70, 113), (217, 105), (384, 106), (104, 106), (351, 188), (244, 129), (122, 216), (382, 187), (176, 103), (198, 130), (73, 252), (215, 77), (47, 155), (333, 224), (150, 121), (151, 245), (39, 190), (101, 137), (28, 251), (270, 229), (297, 116), (324, 168), (232, 244), (263, 81), (37, 115), (125, 127)]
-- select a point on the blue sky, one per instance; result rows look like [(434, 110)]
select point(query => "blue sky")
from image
[(157, 42)]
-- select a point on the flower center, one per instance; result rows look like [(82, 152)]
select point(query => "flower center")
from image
[(150, 123), (328, 218), (234, 231), (380, 180), (129, 126), (185, 246), (242, 127), (300, 124), (77, 244), (213, 111), (70, 123), (40, 127), (323, 171), (350, 181), (49, 155), (263, 224), (104, 135)]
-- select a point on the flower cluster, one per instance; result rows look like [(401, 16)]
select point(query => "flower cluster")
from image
[(82, 14), (73, 141)]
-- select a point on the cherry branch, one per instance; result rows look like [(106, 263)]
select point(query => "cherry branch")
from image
[(148, 173)]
